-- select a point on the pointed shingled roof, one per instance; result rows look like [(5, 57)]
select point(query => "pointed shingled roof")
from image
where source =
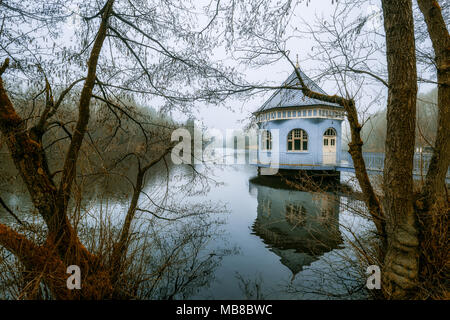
[(283, 98)]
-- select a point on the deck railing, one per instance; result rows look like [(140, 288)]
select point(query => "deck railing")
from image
[(285, 158), (375, 161)]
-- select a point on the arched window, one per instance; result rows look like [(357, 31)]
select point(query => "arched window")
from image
[(329, 137), (266, 140), (330, 132), (297, 140)]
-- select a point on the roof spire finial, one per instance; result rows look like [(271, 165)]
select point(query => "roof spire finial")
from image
[(297, 65)]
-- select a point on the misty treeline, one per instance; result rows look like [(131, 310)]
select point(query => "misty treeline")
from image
[(374, 131), (161, 54), (107, 142)]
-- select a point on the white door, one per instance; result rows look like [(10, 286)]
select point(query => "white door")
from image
[(329, 146)]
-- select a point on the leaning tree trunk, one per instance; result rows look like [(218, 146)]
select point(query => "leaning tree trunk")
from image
[(433, 203), (435, 181), (400, 272)]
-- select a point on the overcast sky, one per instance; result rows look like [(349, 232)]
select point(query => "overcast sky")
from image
[(237, 111), (221, 118)]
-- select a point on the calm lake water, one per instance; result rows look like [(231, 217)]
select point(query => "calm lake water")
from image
[(290, 244), (276, 242)]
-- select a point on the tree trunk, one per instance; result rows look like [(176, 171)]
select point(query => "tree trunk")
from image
[(433, 203), (118, 256), (400, 272), (435, 181), (63, 233)]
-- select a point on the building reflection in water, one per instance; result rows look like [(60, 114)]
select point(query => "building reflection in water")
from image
[(297, 226)]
